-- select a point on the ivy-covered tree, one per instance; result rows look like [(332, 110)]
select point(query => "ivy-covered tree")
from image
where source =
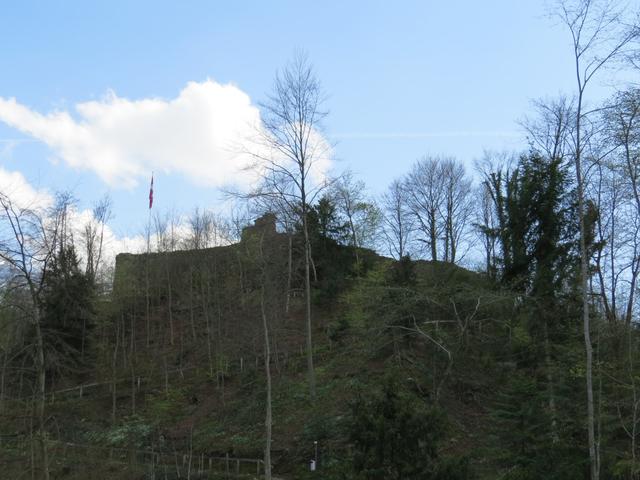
[(538, 237), (552, 233), (538, 228)]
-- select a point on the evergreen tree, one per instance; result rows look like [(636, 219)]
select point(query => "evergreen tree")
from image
[(525, 447), (551, 235), (403, 272), (538, 229), (396, 437), (68, 305), (327, 223), (333, 263), (540, 240)]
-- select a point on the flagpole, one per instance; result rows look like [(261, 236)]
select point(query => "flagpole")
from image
[(149, 216), (149, 232)]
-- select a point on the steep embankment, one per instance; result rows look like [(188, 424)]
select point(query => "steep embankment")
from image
[(179, 366)]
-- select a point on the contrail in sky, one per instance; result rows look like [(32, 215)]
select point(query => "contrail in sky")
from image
[(17, 140), (419, 135)]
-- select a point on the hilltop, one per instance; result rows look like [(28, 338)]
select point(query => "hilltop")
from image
[(176, 360)]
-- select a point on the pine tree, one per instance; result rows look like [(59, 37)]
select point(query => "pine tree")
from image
[(396, 437), (68, 305)]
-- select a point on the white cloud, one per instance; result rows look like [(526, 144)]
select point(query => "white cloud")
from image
[(203, 134), (112, 244), (22, 193), (198, 134)]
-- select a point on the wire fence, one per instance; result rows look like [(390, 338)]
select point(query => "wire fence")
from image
[(238, 365), (157, 463)]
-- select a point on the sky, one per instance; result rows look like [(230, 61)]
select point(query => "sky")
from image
[(94, 96)]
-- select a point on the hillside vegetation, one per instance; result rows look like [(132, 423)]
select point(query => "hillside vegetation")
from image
[(500, 342), (424, 370)]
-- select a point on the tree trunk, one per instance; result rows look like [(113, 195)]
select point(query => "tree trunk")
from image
[(170, 302), (41, 394), (603, 288), (267, 369), (433, 233), (555, 437), (114, 364), (2, 377), (191, 314), (447, 238), (632, 291), (205, 311), (289, 272), (354, 236), (584, 286), (307, 288), (133, 389), (220, 368), (147, 298)]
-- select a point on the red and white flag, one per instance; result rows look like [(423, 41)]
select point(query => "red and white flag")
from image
[(151, 193)]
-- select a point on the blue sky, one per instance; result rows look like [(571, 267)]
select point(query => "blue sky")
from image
[(403, 79)]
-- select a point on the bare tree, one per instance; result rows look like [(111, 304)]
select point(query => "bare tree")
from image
[(167, 238), (486, 225), (424, 190), (200, 224), (621, 119), (550, 130), (360, 214), (93, 236), (205, 229), (599, 36), (495, 170), (267, 363), (398, 224), (29, 239), (239, 217), (439, 199), (457, 207), (167, 231), (607, 191), (289, 152)]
